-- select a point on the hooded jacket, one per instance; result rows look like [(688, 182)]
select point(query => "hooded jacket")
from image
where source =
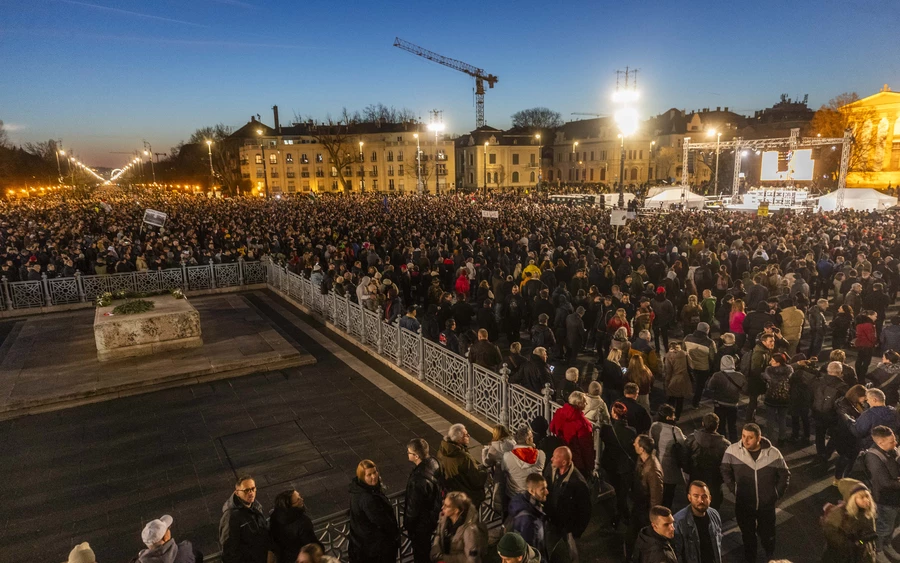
[(243, 532), (290, 530), (872, 417), (574, 429), (678, 379), (666, 435), (527, 518), (651, 547), (169, 552), (534, 375), (701, 351), (468, 541), (757, 483), (518, 464), (727, 385), (686, 542), (792, 320), (706, 450), (461, 472), (865, 333), (848, 539), (374, 534), (886, 376)]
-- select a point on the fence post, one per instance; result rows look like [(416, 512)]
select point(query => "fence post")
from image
[(399, 360), (45, 284), (378, 330), (504, 395), (285, 282), (547, 392), (212, 276), (334, 299), (470, 385), (184, 276), (6, 293), (241, 271), (79, 283), (421, 345)]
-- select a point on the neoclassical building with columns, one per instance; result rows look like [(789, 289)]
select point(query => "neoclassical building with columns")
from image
[(881, 112)]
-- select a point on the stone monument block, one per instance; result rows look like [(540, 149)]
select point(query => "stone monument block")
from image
[(172, 324)]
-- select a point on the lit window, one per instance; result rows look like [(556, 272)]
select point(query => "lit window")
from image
[(399, 156), (289, 158), (259, 159), (273, 159)]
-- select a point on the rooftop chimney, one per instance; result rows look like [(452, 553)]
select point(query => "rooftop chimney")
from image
[(277, 125), (718, 108)]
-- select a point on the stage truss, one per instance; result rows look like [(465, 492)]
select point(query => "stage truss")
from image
[(794, 142)]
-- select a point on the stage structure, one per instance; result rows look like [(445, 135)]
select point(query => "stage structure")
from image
[(793, 143)]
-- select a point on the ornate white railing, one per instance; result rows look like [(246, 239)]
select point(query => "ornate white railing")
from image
[(80, 288)]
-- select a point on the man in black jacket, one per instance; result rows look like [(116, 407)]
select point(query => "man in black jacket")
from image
[(638, 417), (654, 543), (423, 499), (244, 529), (535, 373), (883, 470), (568, 505)]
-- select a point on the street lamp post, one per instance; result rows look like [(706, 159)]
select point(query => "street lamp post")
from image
[(718, 135), (362, 161), (148, 150), (212, 175), (58, 169), (650, 162), (622, 172), (575, 164), (485, 167), (627, 120), (262, 148), (418, 165), (437, 127), (539, 160)]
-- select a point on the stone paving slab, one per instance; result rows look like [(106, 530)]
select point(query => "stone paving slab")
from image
[(50, 362)]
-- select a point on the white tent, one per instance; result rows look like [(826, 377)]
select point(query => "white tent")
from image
[(863, 199), (666, 197)]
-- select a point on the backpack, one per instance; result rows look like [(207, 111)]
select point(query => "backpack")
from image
[(824, 397), (680, 453), (858, 469), (744, 364), (779, 391)]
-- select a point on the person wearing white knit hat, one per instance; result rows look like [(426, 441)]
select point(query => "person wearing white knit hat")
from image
[(82, 553), (161, 548)]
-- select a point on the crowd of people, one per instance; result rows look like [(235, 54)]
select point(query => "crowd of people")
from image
[(712, 309)]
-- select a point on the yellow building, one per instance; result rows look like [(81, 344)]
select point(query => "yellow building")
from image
[(488, 158), (371, 157), (878, 120)]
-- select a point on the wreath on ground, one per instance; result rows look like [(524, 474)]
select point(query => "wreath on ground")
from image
[(134, 301)]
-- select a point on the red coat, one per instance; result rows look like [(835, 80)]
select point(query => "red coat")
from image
[(865, 333), (462, 285), (615, 323), (570, 425)]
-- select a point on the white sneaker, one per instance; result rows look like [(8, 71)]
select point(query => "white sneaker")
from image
[(891, 552)]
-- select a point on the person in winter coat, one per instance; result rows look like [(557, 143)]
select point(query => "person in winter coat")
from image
[(527, 516), (492, 460), (759, 361), (666, 435), (817, 327), (865, 343), (542, 335), (568, 506), (698, 528), (841, 325), (664, 316), (849, 526), (485, 353), (458, 467), (460, 537), (522, 460), (448, 338), (725, 387), (612, 377), (878, 414), (374, 533), (679, 385), (778, 395), (422, 501), (619, 321), (618, 457), (244, 529), (576, 432), (706, 448), (690, 315), (755, 323), (575, 335), (756, 473), (596, 410), (848, 409), (646, 490), (535, 374), (701, 357), (886, 376), (792, 321), (801, 383), (639, 374), (654, 543), (890, 335), (289, 526), (884, 473), (161, 548), (513, 548)]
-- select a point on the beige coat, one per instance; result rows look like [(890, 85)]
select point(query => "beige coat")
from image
[(467, 545), (678, 380), (792, 320)]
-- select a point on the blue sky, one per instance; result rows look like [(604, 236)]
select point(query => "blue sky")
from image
[(104, 74)]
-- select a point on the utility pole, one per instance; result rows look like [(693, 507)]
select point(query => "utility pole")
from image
[(148, 150)]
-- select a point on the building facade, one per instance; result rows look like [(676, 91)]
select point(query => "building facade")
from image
[(878, 120), (489, 159), (310, 158)]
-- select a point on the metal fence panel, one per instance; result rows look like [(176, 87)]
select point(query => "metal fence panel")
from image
[(199, 277), (370, 327), (26, 294), (486, 393), (340, 317), (254, 272), (409, 353), (147, 281), (390, 345), (356, 316), (121, 282), (524, 406), (227, 275), (446, 371), (64, 290)]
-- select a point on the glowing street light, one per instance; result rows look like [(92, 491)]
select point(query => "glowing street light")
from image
[(437, 127), (262, 148), (718, 135), (212, 175), (627, 120), (418, 165), (539, 159)]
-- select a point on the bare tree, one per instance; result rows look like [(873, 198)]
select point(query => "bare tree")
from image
[(427, 169), (498, 176), (341, 146), (833, 118), (539, 117), (225, 152), (4, 136), (665, 158)]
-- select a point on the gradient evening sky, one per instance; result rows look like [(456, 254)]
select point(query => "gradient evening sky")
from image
[(104, 74)]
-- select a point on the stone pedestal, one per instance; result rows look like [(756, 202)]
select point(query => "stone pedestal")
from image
[(172, 324)]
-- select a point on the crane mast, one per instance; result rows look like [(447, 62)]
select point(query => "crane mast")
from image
[(478, 74)]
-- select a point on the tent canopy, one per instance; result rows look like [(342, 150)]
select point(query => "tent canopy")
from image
[(667, 196), (861, 199)]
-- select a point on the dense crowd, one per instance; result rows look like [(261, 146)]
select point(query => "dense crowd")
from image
[(713, 309)]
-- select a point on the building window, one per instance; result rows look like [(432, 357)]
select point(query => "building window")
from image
[(304, 159), (471, 160), (550, 175), (641, 155), (441, 169), (289, 158), (260, 173), (374, 170), (441, 155), (390, 169), (532, 177), (290, 172), (399, 138), (558, 157), (471, 178), (334, 185), (259, 159), (515, 157), (532, 159), (592, 174), (496, 178), (602, 155), (570, 174), (603, 174), (515, 177), (400, 170), (374, 156), (400, 186), (391, 185), (334, 172), (319, 157), (399, 156), (305, 172), (319, 172), (390, 156), (288, 141), (634, 173), (492, 158), (375, 184), (291, 187), (273, 159), (571, 156)]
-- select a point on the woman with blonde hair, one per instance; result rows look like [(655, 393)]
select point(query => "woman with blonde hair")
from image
[(849, 526), (639, 374), (612, 376), (492, 456), (620, 320)]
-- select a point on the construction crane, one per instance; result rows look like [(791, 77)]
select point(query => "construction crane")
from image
[(478, 74), (590, 114)]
